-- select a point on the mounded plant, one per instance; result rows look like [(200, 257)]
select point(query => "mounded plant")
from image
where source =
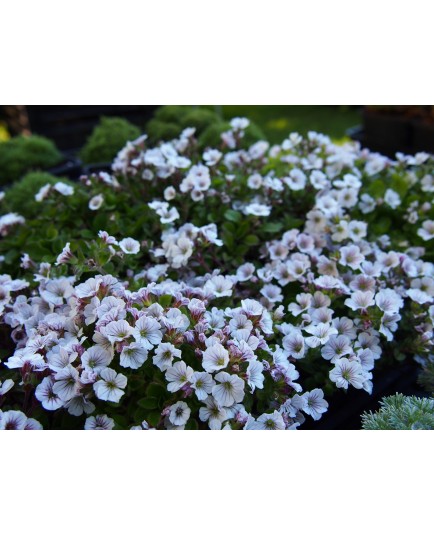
[(234, 287), (401, 412), (107, 138), (22, 154)]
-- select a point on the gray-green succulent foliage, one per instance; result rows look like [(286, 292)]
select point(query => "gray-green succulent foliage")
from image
[(401, 412)]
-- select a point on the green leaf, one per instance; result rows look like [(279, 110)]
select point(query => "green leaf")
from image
[(233, 215), (148, 403)]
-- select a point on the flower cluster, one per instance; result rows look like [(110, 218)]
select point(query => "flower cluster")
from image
[(230, 288)]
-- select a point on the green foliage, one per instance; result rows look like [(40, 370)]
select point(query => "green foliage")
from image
[(160, 130), (107, 139), (210, 137), (169, 121), (401, 412), (22, 154), (20, 197)]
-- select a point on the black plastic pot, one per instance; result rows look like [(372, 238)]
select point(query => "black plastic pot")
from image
[(70, 167), (387, 133), (70, 126), (345, 409), (96, 168), (423, 136)]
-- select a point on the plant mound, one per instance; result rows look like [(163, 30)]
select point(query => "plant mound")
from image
[(232, 287)]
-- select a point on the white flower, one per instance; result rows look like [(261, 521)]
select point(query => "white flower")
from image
[(296, 180), (202, 383), (213, 413), (360, 300), (133, 356), (389, 301), (169, 193), (294, 344), (66, 385), (419, 296), (303, 303), (321, 333), (392, 198), (129, 246), (57, 290), (178, 376), (212, 157), (179, 414), (357, 230), (45, 394), (96, 359), (99, 422), (230, 389), (117, 331), (337, 347), (427, 230), (245, 271), (42, 193), (255, 378), (63, 188), (255, 181), (147, 331), (367, 204), (12, 420), (6, 387), (315, 404), (239, 123), (257, 209), (347, 372), (267, 421), (164, 355), (109, 387), (219, 286), (65, 256), (96, 202), (215, 358), (351, 256)]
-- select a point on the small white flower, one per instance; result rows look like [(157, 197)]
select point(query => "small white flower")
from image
[(6, 387), (63, 188), (147, 331), (179, 414), (109, 387), (129, 246), (230, 389), (117, 331), (338, 346), (99, 422), (392, 198), (96, 359), (427, 230), (45, 394), (360, 300), (267, 421), (215, 358), (66, 385), (321, 333), (96, 202), (213, 413), (12, 420), (202, 383), (178, 376), (315, 404), (347, 372), (389, 301), (257, 209), (255, 378), (133, 356), (219, 286), (164, 355)]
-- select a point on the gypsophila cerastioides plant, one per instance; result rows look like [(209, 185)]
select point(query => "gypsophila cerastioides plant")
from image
[(219, 288)]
